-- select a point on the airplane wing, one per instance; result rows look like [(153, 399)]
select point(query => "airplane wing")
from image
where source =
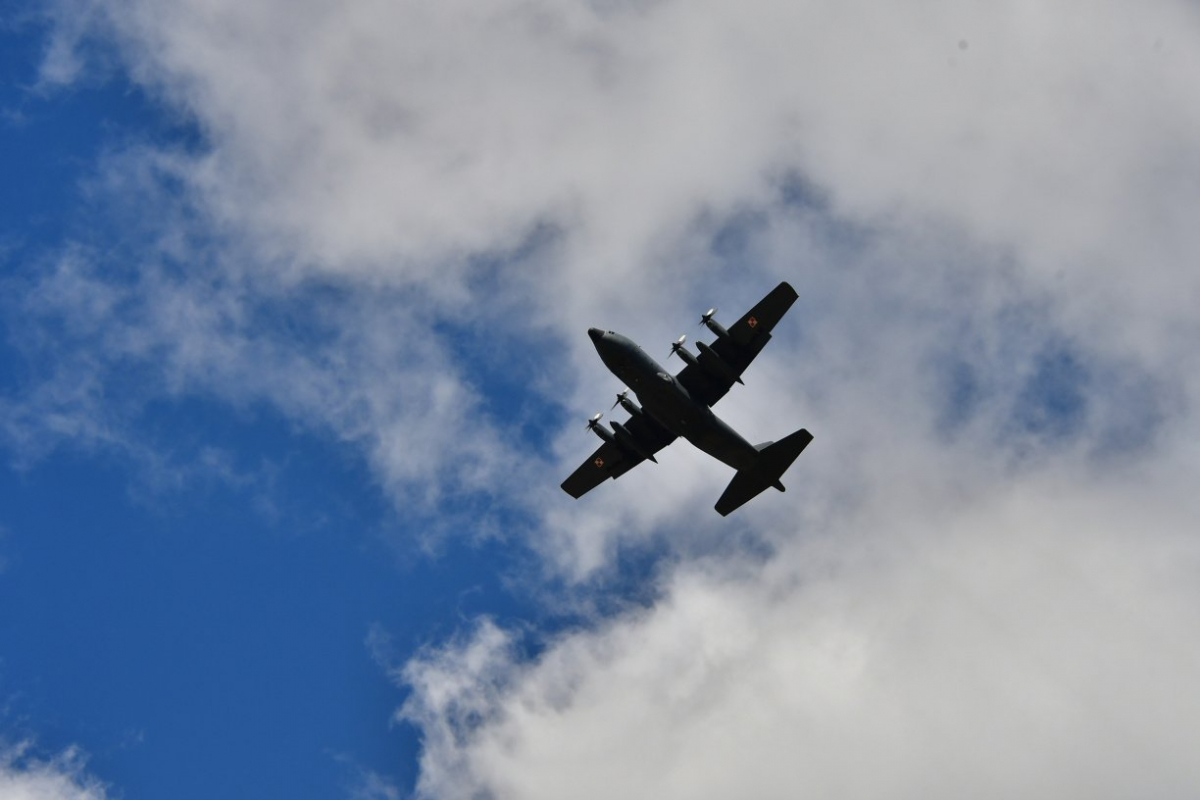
[(707, 382), (612, 461)]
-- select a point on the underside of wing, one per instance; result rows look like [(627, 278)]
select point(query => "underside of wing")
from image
[(599, 467), (722, 363), (612, 459)]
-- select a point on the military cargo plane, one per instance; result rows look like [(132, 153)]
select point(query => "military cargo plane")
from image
[(681, 405)]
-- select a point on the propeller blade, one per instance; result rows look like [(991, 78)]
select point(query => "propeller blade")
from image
[(591, 423), (620, 396), (707, 315), (678, 343)]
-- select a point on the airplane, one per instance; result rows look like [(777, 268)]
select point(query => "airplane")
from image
[(681, 405)]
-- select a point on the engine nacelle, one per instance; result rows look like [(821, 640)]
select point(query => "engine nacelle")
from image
[(624, 402), (677, 349), (715, 365), (595, 427), (626, 441)]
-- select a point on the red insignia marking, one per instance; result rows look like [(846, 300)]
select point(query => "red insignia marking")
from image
[(752, 322), (599, 463)]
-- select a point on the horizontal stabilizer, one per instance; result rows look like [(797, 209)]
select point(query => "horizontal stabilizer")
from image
[(774, 460)]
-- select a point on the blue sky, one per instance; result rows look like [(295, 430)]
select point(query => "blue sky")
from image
[(293, 359)]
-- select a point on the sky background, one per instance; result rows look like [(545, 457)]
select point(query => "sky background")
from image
[(293, 358)]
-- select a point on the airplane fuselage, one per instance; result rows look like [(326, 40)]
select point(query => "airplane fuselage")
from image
[(668, 402)]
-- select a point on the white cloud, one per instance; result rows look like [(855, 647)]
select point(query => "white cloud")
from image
[(397, 144), (1027, 641), (23, 777), (982, 576), (395, 137)]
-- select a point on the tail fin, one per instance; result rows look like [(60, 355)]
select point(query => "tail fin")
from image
[(773, 460)]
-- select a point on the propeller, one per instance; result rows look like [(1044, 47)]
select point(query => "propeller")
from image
[(678, 343), (595, 420), (707, 315), (621, 395)]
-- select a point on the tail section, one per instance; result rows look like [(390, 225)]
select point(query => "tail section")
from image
[(773, 460)]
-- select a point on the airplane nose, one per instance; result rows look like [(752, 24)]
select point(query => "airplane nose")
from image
[(595, 333)]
